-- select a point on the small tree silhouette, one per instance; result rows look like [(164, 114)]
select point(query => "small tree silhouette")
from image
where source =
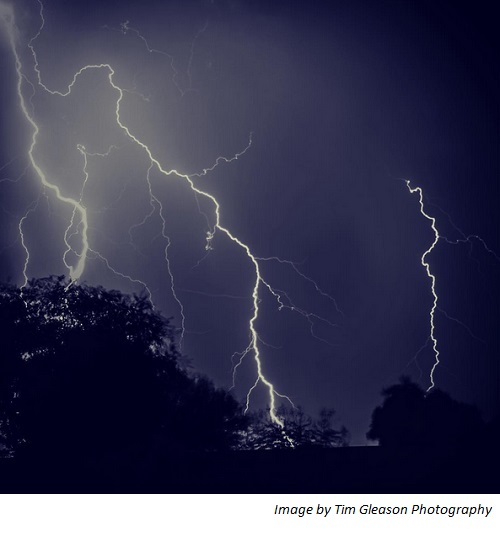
[(411, 417)]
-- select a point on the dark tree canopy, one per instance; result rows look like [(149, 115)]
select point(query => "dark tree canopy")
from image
[(300, 431), (411, 417), (94, 374)]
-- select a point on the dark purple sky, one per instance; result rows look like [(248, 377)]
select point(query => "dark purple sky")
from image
[(343, 103)]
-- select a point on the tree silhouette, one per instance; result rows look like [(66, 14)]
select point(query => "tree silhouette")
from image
[(493, 432), (300, 431), (411, 417), (94, 375)]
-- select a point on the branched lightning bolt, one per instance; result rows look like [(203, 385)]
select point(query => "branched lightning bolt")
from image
[(435, 308), (79, 221), (253, 345), (464, 239)]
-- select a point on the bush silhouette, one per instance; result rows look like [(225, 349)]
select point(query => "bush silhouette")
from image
[(411, 417)]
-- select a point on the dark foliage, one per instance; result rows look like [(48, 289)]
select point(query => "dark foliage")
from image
[(411, 417), (492, 433), (300, 431), (93, 375)]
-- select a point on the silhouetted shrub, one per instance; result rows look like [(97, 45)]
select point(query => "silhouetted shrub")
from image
[(411, 417)]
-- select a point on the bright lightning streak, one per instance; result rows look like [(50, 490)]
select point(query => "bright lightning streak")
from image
[(432, 278), (435, 308), (8, 20), (253, 346)]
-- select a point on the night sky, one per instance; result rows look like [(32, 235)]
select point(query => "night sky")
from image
[(330, 110)]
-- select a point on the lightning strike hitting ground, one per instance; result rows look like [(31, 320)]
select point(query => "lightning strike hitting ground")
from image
[(79, 225)]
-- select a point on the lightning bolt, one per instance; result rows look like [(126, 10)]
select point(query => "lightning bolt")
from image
[(76, 271), (432, 278), (435, 308), (79, 225)]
